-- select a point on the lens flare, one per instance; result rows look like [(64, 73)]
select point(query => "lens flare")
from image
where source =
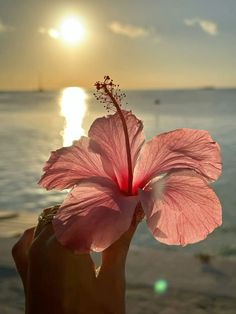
[(53, 33), (160, 286)]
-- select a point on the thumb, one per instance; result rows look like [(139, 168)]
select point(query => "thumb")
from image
[(115, 255), (111, 275)]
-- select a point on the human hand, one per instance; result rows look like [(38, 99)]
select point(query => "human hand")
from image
[(58, 281)]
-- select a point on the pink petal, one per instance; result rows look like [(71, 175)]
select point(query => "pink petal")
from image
[(181, 208), (179, 149), (67, 165), (93, 216), (109, 134)]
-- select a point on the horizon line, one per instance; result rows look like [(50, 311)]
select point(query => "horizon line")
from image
[(203, 87)]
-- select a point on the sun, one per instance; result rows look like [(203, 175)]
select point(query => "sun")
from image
[(71, 31)]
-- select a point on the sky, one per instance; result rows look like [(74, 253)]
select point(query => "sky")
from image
[(142, 44)]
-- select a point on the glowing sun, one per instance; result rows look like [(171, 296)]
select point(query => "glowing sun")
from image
[(70, 31)]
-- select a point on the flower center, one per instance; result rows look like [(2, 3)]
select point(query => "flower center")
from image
[(108, 93)]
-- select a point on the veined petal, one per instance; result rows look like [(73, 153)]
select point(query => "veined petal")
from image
[(93, 216), (178, 149), (181, 208), (109, 134), (67, 165)]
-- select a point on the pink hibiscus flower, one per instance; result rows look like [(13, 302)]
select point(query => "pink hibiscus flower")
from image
[(112, 171)]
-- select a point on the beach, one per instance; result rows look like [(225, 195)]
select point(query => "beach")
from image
[(192, 285), (185, 282)]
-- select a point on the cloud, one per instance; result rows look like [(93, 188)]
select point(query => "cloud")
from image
[(207, 26), (5, 28), (128, 30), (133, 31), (42, 30), (52, 32), (2, 27)]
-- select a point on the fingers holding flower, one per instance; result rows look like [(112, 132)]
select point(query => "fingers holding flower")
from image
[(112, 170)]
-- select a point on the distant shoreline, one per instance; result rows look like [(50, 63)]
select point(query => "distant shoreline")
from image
[(200, 88)]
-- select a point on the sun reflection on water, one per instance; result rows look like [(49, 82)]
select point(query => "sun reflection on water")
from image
[(73, 108)]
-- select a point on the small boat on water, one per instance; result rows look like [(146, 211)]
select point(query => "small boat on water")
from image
[(157, 101), (208, 88)]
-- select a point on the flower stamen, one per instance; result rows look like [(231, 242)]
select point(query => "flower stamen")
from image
[(110, 95)]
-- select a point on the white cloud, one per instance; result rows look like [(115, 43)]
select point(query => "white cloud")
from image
[(5, 28), (42, 30), (132, 31), (51, 32), (2, 27), (128, 30), (206, 25)]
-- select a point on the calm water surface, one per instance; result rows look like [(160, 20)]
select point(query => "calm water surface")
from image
[(32, 124)]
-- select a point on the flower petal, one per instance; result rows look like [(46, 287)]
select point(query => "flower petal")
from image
[(181, 208), (67, 165), (178, 149), (93, 216), (109, 134)]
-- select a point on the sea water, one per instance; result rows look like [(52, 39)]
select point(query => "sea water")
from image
[(32, 124)]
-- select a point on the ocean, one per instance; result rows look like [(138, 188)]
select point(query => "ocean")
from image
[(34, 123)]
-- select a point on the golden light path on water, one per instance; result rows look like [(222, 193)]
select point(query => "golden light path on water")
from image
[(73, 108)]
